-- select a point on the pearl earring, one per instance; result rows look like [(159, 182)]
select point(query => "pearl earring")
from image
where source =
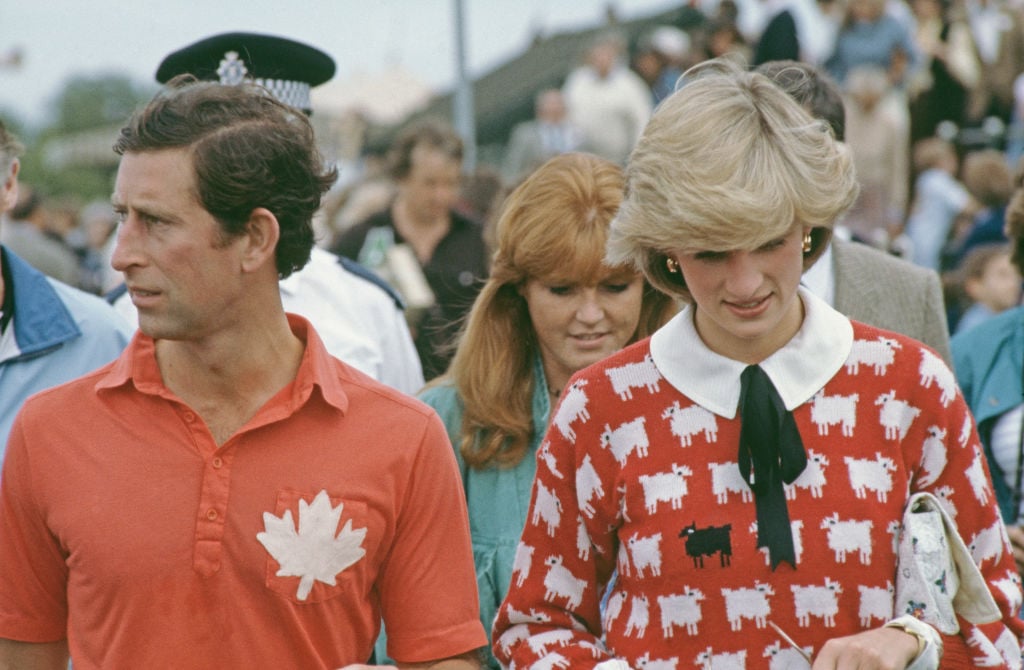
[(672, 265)]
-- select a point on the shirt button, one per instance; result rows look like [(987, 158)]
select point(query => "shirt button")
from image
[(211, 514), (190, 417), (217, 462)]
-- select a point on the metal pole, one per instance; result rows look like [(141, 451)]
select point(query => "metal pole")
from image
[(465, 122)]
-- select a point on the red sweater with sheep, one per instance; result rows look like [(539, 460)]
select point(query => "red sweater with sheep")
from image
[(639, 477)]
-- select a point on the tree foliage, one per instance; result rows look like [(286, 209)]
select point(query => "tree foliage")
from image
[(85, 111)]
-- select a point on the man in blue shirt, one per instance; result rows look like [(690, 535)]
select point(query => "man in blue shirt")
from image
[(50, 332)]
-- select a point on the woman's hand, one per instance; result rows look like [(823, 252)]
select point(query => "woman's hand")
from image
[(1016, 534), (880, 648)]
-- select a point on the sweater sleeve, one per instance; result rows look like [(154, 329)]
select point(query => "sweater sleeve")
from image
[(952, 466), (566, 554)]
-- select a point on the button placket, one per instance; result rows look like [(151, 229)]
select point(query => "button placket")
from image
[(212, 512)]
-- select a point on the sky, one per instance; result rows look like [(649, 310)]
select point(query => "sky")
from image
[(62, 38)]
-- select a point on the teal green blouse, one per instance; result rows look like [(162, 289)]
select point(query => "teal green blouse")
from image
[(497, 498)]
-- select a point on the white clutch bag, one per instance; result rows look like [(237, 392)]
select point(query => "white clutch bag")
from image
[(936, 579)]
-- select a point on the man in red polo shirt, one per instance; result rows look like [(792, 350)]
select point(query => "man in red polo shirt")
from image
[(227, 494)]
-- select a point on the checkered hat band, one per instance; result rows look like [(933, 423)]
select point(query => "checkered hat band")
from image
[(294, 93)]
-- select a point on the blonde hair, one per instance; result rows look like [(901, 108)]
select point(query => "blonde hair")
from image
[(553, 227), (728, 162)]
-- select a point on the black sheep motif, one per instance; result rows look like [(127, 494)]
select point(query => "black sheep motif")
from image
[(701, 542)]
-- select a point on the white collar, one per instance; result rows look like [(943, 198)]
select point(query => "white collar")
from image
[(798, 370)]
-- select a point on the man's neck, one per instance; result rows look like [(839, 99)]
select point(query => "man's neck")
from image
[(409, 217), (422, 234), (225, 381)]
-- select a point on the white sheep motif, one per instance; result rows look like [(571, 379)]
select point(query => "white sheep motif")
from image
[(533, 616), (988, 543), (682, 609), (726, 479), (522, 562), (878, 353), (588, 486), (812, 478), (547, 508), (634, 375), (874, 475), (933, 455), (1009, 648), (934, 370), (748, 603), (726, 660), (625, 439), (832, 410), (988, 656), (667, 487), (583, 543), (512, 637), (783, 658), (944, 494), (817, 601), (685, 422), (639, 616), (976, 476), (646, 553), (896, 415), (965, 431), (544, 453), (540, 642), (1010, 586), (875, 603), (559, 582), (847, 536), (613, 609), (572, 408)]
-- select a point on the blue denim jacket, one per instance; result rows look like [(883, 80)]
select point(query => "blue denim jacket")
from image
[(988, 361), (57, 333)]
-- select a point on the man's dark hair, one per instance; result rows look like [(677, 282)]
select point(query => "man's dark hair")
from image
[(430, 133), (248, 150), (813, 89)]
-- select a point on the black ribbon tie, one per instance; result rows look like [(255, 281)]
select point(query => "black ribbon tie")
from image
[(771, 452)]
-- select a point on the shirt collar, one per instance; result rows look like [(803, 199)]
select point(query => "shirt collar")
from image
[(798, 370), (317, 369)]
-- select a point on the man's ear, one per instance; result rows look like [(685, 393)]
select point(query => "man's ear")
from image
[(262, 233), (9, 189)]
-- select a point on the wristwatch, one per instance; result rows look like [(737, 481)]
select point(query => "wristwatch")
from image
[(929, 644)]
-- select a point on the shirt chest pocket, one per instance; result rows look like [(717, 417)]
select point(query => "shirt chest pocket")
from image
[(316, 547)]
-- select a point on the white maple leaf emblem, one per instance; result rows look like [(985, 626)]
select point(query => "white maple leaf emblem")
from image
[(314, 552)]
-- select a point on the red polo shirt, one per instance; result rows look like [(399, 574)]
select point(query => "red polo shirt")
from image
[(124, 528)]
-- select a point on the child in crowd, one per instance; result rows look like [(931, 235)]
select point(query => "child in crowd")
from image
[(989, 282), (939, 199)]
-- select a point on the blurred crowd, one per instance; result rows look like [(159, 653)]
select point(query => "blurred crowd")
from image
[(934, 106), (884, 151)]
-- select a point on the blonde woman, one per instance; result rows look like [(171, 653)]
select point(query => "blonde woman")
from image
[(747, 464), (550, 308)]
